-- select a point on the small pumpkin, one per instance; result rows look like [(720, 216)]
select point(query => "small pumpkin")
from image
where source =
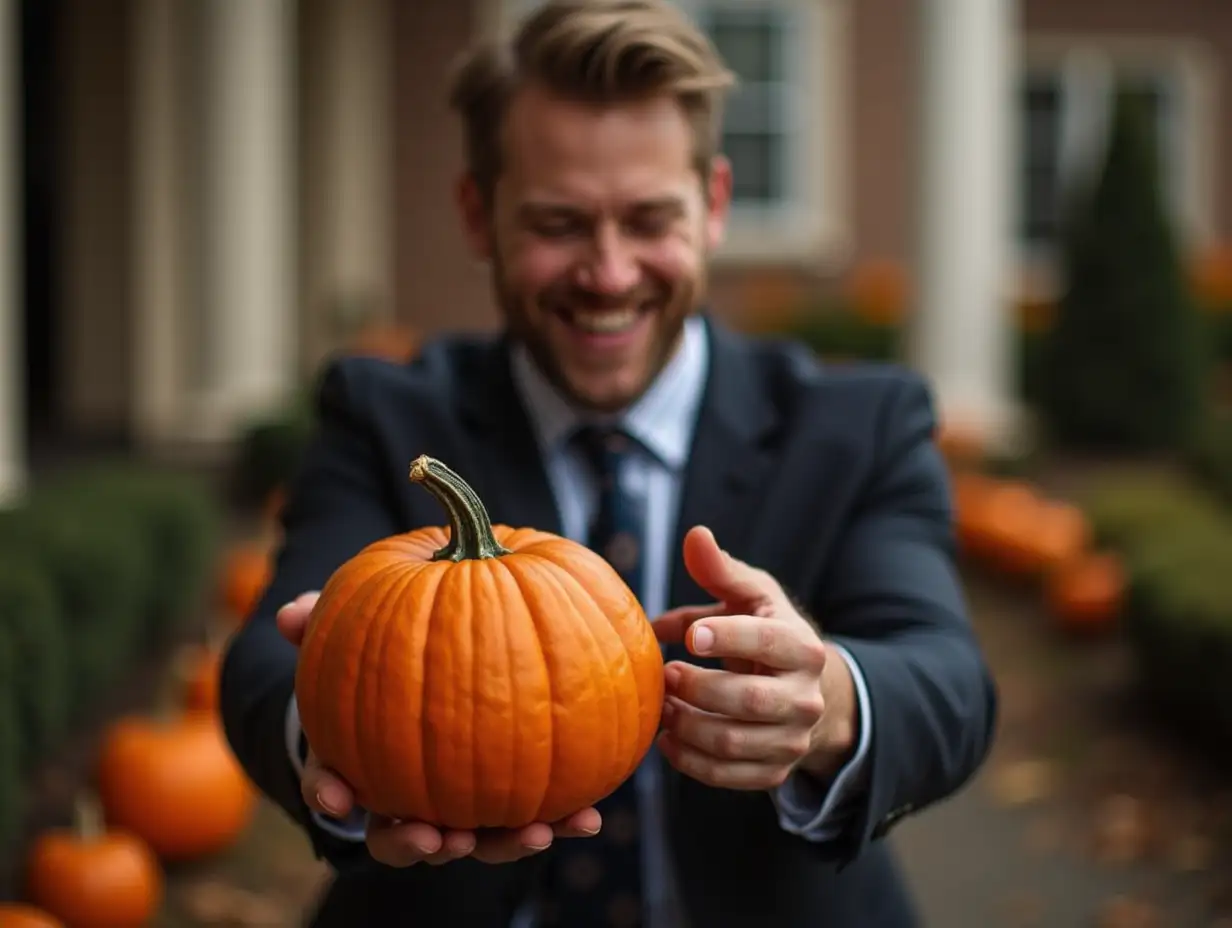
[(246, 573), (16, 915), (1057, 532), (91, 877), (174, 782), (197, 669), (1007, 519), (962, 444), (390, 341), (478, 676), (1086, 595)]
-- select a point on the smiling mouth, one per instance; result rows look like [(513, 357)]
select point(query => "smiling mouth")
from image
[(605, 321)]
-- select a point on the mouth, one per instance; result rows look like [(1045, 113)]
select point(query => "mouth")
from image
[(605, 321)]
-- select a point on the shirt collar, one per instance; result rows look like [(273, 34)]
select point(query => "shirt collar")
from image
[(662, 419)]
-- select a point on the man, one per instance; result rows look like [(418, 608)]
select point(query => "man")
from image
[(787, 524)]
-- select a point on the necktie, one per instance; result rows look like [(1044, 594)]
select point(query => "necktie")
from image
[(596, 882)]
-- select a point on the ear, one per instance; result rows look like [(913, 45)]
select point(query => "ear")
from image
[(476, 216), (718, 200)]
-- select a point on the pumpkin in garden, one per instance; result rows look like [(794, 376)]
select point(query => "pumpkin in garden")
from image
[(15, 915), (389, 341), (1006, 520), (1057, 534), (245, 575), (478, 676), (198, 669), (175, 783), (1086, 594), (91, 877)]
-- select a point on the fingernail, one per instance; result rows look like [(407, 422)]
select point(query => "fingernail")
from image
[(539, 847), (330, 798), (589, 831), (703, 639)]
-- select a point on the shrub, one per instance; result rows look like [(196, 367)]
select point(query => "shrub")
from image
[(40, 685), (174, 521), (1177, 546), (1124, 357), (1210, 454), (10, 746)]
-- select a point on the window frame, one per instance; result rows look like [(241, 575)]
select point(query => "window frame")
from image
[(1086, 68), (811, 225)]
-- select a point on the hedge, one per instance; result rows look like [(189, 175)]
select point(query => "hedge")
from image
[(98, 567), (1176, 542)]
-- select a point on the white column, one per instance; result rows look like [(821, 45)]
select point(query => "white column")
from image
[(961, 332), (348, 234), (12, 338), (249, 182), (160, 222)]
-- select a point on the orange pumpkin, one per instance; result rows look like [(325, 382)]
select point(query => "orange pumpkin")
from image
[(15, 915), (971, 494), (879, 289), (1007, 520), (198, 673), (176, 784), (1056, 533), (245, 575), (89, 877), (481, 676), (1086, 594), (388, 340)]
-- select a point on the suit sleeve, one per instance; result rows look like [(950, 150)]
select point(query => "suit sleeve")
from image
[(337, 505), (894, 601)]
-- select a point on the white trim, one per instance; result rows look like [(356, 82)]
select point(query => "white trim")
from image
[(813, 226), (1088, 61)]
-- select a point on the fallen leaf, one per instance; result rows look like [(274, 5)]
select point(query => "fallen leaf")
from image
[(1121, 830), (1023, 782), (1126, 912)]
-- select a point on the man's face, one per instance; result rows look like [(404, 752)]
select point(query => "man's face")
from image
[(598, 235)]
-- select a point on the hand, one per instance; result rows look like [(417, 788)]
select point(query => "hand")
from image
[(781, 701), (402, 844)]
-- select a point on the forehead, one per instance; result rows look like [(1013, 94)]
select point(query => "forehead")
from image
[(562, 148)]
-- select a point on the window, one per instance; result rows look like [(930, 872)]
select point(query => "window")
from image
[(1065, 101), (783, 130)]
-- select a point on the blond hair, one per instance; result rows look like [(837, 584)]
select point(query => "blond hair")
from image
[(591, 51)]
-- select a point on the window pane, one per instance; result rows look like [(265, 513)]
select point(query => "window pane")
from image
[(757, 166), (750, 41), (1040, 209)]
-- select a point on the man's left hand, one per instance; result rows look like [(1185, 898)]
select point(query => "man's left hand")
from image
[(783, 700)]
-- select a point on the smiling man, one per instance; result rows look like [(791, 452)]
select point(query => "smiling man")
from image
[(787, 525)]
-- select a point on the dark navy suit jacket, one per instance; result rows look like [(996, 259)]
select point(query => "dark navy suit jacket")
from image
[(827, 477)]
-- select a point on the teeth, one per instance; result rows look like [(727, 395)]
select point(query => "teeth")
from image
[(605, 323)]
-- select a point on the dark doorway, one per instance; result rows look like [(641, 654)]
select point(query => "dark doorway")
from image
[(40, 111)]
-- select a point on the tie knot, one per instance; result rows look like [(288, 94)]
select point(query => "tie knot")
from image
[(603, 446)]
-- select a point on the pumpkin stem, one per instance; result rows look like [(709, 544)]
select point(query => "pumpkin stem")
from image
[(470, 529), (88, 822)]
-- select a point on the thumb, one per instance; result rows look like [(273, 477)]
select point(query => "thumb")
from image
[(292, 619), (718, 573)]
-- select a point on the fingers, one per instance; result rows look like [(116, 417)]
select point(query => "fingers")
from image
[(725, 740), (293, 618), (584, 824), (722, 576), (721, 774), (324, 791), (671, 626), (404, 844), (744, 697), (777, 643)]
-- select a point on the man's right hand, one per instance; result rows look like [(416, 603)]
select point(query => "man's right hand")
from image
[(401, 844)]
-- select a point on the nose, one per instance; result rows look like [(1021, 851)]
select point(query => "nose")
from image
[(611, 268)]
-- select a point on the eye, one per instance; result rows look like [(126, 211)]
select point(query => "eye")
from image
[(558, 226), (651, 223)]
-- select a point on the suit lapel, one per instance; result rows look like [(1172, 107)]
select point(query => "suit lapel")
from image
[(509, 472), (730, 458)]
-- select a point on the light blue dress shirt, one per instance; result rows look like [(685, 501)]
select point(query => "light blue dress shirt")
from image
[(662, 421)]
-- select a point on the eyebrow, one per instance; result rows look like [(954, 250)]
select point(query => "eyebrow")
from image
[(538, 209)]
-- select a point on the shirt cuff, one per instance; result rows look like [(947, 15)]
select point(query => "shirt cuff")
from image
[(352, 828), (808, 808)]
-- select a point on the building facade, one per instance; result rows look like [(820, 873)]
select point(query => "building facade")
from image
[(195, 196)]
